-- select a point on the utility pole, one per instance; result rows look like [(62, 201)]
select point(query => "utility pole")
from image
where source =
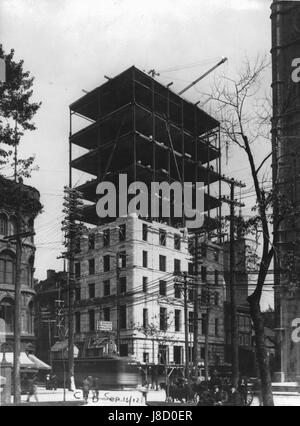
[(186, 325), (118, 303), (206, 342), (182, 279), (17, 318), (196, 305), (233, 307), (72, 230)]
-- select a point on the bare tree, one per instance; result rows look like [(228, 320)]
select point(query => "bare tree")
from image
[(245, 121)]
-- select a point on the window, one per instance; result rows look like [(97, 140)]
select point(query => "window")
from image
[(77, 322), (191, 321), (203, 273), (162, 263), (190, 349), (203, 323), (145, 232), (162, 354), (123, 317), (202, 353), (162, 237), (190, 268), (77, 270), (146, 357), (162, 288), (203, 250), (216, 327), (163, 319), (91, 291), (217, 299), (91, 241), (177, 242), (177, 265), (145, 259), (77, 245), (191, 295), (3, 224), (145, 284), (106, 287), (177, 320), (124, 349), (177, 291), (177, 355), (106, 237), (145, 318), (92, 266), (123, 285), (7, 269), (216, 255), (12, 226), (216, 277), (106, 314), (92, 320), (7, 314), (122, 232), (77, 294), (122, 259), (205, 297), (106, 263), (30, 317)]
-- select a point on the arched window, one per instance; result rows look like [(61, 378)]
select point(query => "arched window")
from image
[(7, 268), (30, 271), (7, 314), (3, 224), (31, 228), (30, 316), (12, 226)]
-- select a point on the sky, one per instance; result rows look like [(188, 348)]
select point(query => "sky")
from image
[(69, 45)]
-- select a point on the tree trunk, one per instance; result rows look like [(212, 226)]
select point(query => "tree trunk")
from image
[(261, 352)]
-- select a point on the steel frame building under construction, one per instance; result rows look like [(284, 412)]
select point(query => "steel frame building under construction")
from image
[(142, 128)]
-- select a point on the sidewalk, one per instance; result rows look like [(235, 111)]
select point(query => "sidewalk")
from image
[(58, 397)]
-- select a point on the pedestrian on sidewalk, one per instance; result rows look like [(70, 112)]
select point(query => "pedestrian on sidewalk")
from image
[(96, 388), (32, 389), (86, 389)]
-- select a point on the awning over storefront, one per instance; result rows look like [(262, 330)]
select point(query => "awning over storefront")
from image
[(62, 347), (24, 360), (41, 365)]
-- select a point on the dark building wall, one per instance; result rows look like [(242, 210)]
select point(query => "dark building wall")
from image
[(48, 294), (286, 168)]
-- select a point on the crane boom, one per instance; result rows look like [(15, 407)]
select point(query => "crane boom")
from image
[(203, 76)]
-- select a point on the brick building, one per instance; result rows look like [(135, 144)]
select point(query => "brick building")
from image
[(142, 256)]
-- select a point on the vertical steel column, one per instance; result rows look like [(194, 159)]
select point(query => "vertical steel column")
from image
[(208, 177), (183, 162), (153, 133), (169, 153), (220, 185), (71, 279), (134, 126), (196, 266)]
